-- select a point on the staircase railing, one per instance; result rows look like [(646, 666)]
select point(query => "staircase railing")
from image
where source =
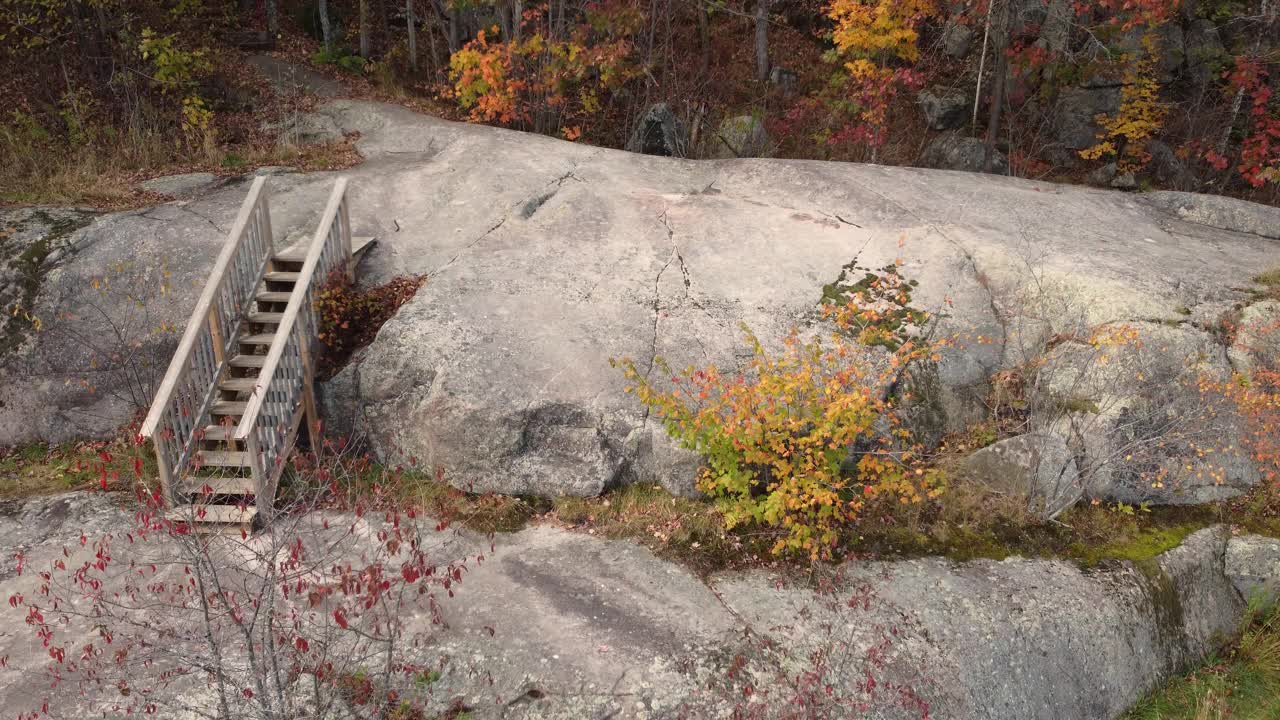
[(284, 392), (182, 403)]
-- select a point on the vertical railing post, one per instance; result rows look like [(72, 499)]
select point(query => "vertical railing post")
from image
[(311, 417), (344, 232), (267, 238), (162, 464), (261, 499), (215, 331)]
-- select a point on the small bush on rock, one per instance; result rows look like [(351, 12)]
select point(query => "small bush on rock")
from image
[(805, 440), (350, 317)]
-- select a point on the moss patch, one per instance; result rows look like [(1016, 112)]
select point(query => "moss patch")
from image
[(28, 268), (1140, 545)]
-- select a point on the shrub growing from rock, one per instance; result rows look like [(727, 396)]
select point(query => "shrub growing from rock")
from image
[(803, 441)]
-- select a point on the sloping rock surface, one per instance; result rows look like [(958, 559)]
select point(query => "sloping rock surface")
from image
[(561, 625), (545, 259)]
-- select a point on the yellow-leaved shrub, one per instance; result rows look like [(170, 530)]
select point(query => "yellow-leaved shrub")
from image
[(802, 441)]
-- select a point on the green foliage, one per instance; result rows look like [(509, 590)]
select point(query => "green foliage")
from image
[(340, 57), (176, 71), (883, 300)]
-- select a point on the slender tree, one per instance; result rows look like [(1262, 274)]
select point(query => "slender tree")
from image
[(413, 38), (762, 40), (1000, 81), (364, 29), (326, 31)]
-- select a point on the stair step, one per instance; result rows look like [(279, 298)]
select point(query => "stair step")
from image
[(297, 252), (232, 408), (258, 339), (218, 433), (274, 297), (238, 384), (220, 486), (225, 514), (266, 318), (222, 458), (248, 361), (279, 276)]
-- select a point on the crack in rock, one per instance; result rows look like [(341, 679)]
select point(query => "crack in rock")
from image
[(469, 245)]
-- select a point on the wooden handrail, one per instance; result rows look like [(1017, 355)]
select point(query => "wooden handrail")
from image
[(217, 277), (290, 317)]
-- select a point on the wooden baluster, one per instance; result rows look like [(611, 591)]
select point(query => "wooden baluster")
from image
[(162, 463), (344, 229), (259, 478)]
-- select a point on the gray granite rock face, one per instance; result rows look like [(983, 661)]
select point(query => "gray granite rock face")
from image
[(556, 624), (546, 259), (1038, 469), (186, 185), (1253, 565)]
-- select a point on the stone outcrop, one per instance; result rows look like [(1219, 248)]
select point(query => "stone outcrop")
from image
[(659, 132), (944, 108), (1036, 469), (546, 259), (743, 136), (951, 151), (555, 624)]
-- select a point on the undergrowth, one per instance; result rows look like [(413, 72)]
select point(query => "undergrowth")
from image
[(350, 316)]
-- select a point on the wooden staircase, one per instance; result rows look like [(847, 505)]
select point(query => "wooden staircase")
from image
[(227, 415)]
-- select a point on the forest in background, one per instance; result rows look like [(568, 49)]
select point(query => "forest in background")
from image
[(1134, 94)]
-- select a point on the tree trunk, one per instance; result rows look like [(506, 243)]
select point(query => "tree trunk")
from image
[(364, 29), (409, 23), (704, 38), (517, 19), (1000, 82), (504, 20), (384, 26), (455, 34), (273, 18), (326, 30), (762, 40)]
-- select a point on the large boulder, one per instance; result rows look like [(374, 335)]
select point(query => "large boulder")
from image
[(741, 136), (1205, 53), (1075, 116), (950, 151), (307, 129), (957, 38), (1218, 211), (1169, 170), (184, 185), (1253, 565), (943, 108), (1037, 470), (1135, 401), (659, 132), (1256, 345), (1062, 645)]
